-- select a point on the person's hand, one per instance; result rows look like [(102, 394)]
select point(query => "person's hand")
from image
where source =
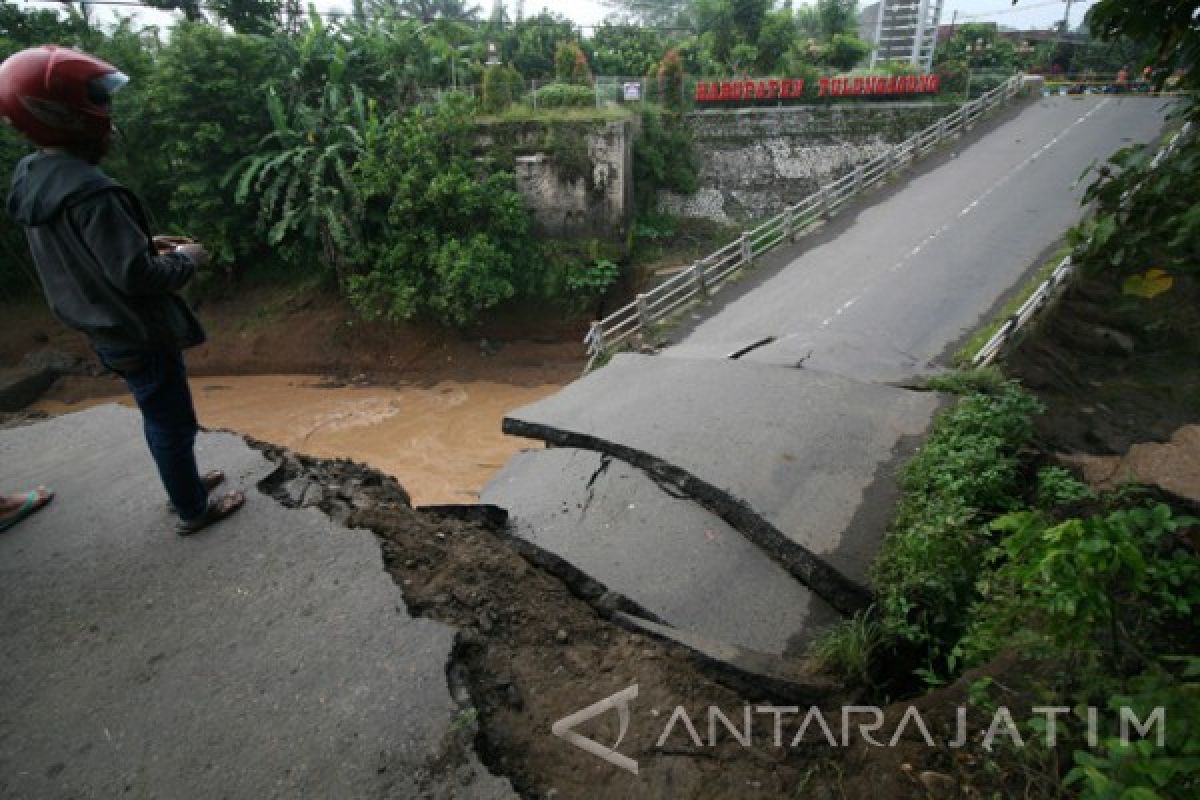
[(167, 244), (196, 252)]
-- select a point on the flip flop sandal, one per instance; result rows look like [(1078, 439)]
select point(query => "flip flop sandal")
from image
[(211, 480), (218, 509), (36, 500)]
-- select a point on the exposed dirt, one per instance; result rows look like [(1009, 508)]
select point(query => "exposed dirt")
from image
[(306, 330), (531, 652), (1113, 370), (1172, 466)]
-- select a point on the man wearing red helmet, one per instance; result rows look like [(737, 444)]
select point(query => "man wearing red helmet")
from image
[(100, 268)]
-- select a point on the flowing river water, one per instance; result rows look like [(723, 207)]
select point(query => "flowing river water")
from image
[(442, 442)]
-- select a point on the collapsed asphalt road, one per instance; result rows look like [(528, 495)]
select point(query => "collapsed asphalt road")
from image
[(272, 658), (775, 416), (290, 652)]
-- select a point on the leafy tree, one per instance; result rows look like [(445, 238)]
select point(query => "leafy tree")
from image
[(664, 158), (748, 16), (659, 13), (775, 38), (837, 16), (190, 8), (449, 241), (845, 51), (570, 65), (501, 85), (980, 47), (1167, 27), (532, 43), (715, 18), (249, 16), (625, 50), (670, 80), (204, 109), (430, 10)]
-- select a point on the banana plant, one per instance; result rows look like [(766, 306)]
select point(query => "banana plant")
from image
[(302, 177)]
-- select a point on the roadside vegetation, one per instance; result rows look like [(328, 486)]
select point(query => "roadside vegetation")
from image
[(345, 147), (996, 551)]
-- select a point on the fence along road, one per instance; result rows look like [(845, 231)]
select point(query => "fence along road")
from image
[(706, 276)]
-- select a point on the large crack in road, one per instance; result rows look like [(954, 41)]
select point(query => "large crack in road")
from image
[(537, 641)]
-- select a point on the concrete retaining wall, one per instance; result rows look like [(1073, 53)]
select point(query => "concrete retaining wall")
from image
[(576, 177), (757, 161)]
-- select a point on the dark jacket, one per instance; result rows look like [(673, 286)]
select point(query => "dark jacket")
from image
[(92, 248)]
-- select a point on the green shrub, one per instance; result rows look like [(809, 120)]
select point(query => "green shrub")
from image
[(447, 240), (563, 95), (571, 66), (1140, 770), (967, 472), (670, 80), (1089, 589), (501, 86), (664, 158)]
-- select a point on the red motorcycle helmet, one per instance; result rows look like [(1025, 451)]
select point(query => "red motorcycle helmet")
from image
[(58, 97)]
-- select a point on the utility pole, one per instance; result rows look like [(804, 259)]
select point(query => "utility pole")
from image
[(1066, 23)]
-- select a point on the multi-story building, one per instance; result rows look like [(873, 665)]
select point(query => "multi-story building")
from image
[(902, 31)]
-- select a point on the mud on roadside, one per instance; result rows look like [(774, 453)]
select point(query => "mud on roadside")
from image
[(531, 650)]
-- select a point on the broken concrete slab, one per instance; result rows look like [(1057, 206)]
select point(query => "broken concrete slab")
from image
[(270, 656), (21, 386), (680, 563), (800, 461)]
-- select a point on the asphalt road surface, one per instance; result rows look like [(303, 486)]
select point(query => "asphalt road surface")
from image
[(910, 275)]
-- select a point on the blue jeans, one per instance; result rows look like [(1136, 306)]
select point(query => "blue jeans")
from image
[(158, 381)]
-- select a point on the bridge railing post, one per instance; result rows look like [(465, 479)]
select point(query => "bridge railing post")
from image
[(699, 281), (595, 339), (789, 221), (941, 130), (643, 312), (858, 180), (746, 249)]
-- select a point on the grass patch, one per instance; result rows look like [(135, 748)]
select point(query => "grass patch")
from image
[(979, 338), (523, 113), (926, 576)]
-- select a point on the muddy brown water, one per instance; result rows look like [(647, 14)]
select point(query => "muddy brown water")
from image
[(442, 442)]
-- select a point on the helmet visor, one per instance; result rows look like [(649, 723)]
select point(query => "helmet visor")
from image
[(101, 90)]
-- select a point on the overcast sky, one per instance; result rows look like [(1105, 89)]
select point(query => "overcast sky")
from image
[(1026, 14)]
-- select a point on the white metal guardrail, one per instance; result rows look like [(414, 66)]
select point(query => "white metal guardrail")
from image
[(706, 276), (1050, 287)]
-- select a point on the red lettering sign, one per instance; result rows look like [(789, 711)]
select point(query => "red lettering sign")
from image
[(791, 88)]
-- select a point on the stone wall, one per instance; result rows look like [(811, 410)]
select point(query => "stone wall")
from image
[(576, 177), (757, 161)]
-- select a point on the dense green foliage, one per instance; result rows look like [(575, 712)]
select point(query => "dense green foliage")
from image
[(966, 474), (252, 135), (663, 158), (565, 95), (1100, 591), (449, 241)]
